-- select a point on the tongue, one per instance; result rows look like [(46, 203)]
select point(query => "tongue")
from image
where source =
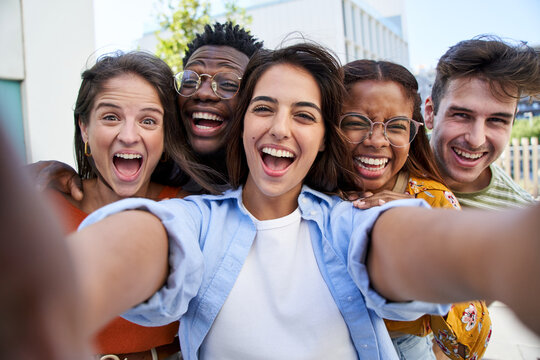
[(127, 167), (208, 123), (277, 163)]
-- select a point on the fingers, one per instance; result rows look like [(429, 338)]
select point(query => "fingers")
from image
[(75, 187), (367, 203)]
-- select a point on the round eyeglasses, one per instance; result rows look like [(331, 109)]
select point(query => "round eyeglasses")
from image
[(224, 84), (399, 131)]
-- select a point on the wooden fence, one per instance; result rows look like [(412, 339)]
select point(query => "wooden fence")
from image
[(524, 153)]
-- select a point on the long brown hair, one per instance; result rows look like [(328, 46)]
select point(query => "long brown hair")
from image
[(420, 162), (330, 172)]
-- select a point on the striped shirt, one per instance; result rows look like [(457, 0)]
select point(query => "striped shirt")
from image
[(502, 192)]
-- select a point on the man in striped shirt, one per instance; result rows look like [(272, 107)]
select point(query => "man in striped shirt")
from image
[(471, 112)]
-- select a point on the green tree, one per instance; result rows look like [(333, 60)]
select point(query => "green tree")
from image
[(526, 128), (181, 20)]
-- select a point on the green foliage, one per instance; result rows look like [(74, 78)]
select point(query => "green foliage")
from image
[(526, 128), (182, 20)]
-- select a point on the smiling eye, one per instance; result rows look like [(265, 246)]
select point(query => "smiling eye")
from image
[(306, 117), (261, 109)]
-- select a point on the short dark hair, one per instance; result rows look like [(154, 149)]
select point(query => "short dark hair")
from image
[(420, 162), (511, 70), (225, 34), (331, 172)]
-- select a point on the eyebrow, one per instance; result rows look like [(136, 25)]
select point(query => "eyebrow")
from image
[(463, 109), (274, 101), (110, 105), (226, 64)]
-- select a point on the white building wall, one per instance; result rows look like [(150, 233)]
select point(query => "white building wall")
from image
[(318, 20), (11, 42), (52, 44)]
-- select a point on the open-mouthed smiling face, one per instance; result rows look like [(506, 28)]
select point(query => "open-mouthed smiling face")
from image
[(376, 161), (205, 115), (125, 134), (283, 133)]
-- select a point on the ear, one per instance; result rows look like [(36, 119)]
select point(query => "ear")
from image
[(429, 113), (84, 130)]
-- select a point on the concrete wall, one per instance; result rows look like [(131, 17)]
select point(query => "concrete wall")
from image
[(50, 42)]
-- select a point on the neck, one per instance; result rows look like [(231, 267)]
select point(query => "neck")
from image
[(265, 207), (481, 182), (98, 194)]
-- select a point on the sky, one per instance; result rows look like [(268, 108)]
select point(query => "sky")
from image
[(432, 25)]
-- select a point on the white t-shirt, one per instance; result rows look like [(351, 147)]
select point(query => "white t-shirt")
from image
[(265, 317)]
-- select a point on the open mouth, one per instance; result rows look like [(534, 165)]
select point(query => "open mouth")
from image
[(276, 161), (370, 163), (468, 156), (127, 165), (206, 121)]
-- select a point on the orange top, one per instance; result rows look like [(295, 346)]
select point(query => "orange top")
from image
[(119, 336)]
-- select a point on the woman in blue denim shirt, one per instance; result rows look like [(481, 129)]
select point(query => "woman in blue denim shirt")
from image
[(274, 268)]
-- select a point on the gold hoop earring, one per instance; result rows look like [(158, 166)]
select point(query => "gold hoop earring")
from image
[(87, 151)]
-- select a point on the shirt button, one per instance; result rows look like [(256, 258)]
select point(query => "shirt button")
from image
[(313, 212), (364, 346), (304, 200), (350, 298)]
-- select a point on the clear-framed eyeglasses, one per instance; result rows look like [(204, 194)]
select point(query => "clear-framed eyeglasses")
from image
[(224, 84), (399, 131)]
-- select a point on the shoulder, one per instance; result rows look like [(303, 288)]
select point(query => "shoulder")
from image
[(502, 192), (433, 192)]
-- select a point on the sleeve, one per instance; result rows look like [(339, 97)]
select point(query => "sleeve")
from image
[(465, 332), (363, 222), (182, 221)]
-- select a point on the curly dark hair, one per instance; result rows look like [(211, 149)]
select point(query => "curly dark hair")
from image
[(225, 34), (511, 70)]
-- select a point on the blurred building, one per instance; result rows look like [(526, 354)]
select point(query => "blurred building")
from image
[(353, 29), (45, 45)]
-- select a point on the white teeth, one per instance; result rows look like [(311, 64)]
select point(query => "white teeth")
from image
[(372, 161), (277, 153), (128, 156), (468, 155), (376, 163), (206, 116), (203, 127)]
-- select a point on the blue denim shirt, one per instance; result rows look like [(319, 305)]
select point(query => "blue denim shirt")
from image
[(210, 237)]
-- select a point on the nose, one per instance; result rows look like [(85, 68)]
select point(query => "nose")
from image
[(376, 139), (280, 128), (129, 132), (476, 137), (205, 92)]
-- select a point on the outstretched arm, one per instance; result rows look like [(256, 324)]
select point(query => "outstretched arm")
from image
[(39, 304), (120, 262), (469, 255), (56, 175)]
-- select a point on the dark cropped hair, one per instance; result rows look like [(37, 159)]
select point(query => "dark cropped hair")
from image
[(156, 72), (331, 172), (511, 70), (420, 162), (225, 34)]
